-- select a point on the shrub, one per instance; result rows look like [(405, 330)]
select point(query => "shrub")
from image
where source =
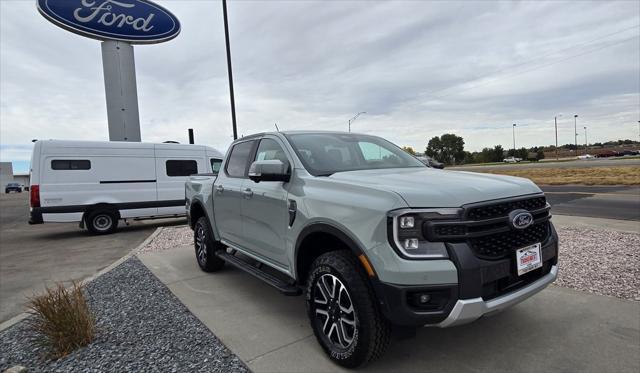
[(61, 319)]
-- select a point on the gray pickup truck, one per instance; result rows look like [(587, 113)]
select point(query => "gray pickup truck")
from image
[(377, 242)]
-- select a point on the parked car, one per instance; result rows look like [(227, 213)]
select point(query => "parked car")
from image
[(585, 156), (512, 160), (98, 183), (430, 161), (13, 187), (375, 240), (605, 153)]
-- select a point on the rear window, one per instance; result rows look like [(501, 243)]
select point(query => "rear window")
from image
[(70, 164), (182, 167), (215, 165)]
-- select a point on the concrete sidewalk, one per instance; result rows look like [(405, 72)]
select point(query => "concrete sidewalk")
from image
[(556, 330)]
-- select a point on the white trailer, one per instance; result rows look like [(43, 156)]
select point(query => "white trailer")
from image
[(97, 183)]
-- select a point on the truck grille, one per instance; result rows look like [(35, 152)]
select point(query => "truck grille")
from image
[(499, 245), (487, 230), (503, 209)]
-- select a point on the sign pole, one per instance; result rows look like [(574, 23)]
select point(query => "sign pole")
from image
[(121, 92)]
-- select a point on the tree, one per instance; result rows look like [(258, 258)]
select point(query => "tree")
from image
[(409, 150), (448, 148)]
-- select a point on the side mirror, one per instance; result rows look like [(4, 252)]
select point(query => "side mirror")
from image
[(272, 170)]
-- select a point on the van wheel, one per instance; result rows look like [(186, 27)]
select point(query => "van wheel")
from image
[(101, 222), (343, 311), (206, 246)]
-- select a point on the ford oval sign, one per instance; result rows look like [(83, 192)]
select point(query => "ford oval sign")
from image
[(520, 219), (132, 21)]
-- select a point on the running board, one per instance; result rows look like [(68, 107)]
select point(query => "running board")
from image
[(281, 285)]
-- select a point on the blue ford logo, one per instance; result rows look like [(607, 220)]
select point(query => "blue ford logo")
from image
[(133, 21), (520, 219)]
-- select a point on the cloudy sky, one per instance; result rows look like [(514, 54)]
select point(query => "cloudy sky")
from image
[(419, 69)]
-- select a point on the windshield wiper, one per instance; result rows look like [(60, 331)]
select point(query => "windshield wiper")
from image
[(326, 174)]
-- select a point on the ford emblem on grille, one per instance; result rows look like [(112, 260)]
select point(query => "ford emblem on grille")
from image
[(520, 219)]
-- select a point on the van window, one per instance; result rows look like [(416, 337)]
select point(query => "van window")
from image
[(182, 167), (215, 165), (70, 164), (239, 159)]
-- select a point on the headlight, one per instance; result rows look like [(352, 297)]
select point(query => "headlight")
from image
[(406, 232)]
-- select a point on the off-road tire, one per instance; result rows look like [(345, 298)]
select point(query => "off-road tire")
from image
[(101, 221), (372, 331), (206, 258)]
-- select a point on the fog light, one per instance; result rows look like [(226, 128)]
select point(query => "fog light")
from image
[(411, 243), (407, 222), (425, 298)]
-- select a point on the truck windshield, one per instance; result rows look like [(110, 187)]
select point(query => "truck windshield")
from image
[(324, 154)]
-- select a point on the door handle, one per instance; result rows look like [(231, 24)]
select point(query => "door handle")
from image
[(248, 193), (219, 189)]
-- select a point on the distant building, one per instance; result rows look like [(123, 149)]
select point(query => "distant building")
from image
[(7, 176)]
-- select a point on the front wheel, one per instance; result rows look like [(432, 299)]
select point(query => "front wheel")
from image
[(206, 246), (343, 312)]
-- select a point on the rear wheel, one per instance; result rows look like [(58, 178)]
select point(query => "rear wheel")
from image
[(343, 312), (206, 246), (101, 221)]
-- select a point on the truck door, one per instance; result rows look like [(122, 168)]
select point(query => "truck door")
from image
[(264, 206), (228, 193)]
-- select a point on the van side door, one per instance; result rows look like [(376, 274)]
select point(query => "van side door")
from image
[(228, 193)]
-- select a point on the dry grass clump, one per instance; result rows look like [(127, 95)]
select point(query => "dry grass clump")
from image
[(62, 319), (624, 175)]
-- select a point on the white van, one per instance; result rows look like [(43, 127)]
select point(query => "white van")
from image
[(97, 183)]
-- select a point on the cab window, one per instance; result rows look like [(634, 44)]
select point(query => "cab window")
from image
[(239, 159)]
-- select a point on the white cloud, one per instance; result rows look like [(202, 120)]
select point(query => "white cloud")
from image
[(419, 69)]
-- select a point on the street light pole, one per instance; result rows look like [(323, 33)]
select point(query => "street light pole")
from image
[(555, 119), (514, 140), (575, 131), (226, 39), (354, 118), (586, 143)]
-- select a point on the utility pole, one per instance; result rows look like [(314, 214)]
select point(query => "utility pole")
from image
[(586, 143), (514, 140), (555, 119), (354, 118), (575, 131), (226, 39)]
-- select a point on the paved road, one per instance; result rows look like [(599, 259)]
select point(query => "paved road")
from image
[(610, 202), (557, 330), (32, 256), (595, 162)]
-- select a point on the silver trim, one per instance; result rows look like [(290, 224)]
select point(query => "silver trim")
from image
[(468, 310), (442, 211)]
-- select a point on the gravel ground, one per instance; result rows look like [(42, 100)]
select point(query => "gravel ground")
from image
[(142, 327), (169, 238), (600, 261)]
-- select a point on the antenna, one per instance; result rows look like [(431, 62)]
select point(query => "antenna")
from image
[(277, 129)]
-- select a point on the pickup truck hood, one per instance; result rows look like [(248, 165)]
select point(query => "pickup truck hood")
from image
[(428, 187)]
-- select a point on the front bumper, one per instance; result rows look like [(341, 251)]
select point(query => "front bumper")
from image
[(468, 310), (483, 287)]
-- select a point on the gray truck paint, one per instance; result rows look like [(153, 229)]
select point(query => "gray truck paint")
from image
[(355, 202)]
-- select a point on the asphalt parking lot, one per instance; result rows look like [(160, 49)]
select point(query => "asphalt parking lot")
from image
[(609, 202), (34, 256)]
